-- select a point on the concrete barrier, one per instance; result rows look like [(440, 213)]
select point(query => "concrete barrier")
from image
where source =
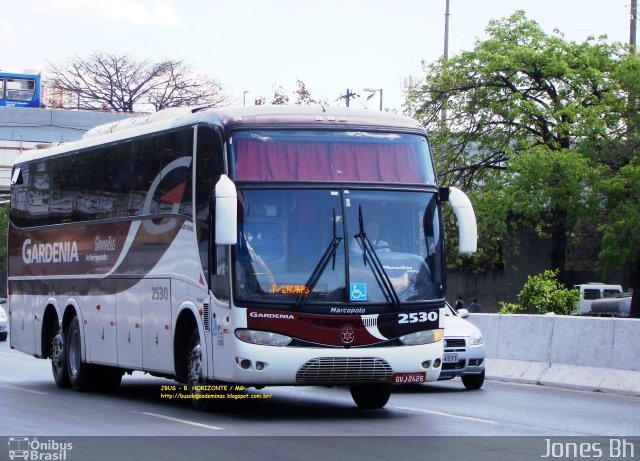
[(587, 353)]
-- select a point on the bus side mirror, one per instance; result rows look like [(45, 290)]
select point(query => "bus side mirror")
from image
[(226, 212), (467, 227)]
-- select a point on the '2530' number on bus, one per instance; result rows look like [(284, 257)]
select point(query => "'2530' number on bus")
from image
[(417, 317), (159, 293)]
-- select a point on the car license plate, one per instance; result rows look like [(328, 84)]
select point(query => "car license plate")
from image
[(408, 378), (450, 357)]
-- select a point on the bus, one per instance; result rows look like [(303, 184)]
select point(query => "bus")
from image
[(235, 245), (19, 90)]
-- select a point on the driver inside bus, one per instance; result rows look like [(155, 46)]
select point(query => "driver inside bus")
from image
[(373, 233)]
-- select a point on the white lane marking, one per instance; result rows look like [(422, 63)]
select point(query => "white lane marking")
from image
[(449, 415), (183, 421), (16, 388)]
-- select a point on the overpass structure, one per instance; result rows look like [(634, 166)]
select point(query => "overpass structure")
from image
[(22, 129)]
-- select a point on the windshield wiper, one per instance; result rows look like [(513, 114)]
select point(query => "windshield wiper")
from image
[(369, 254), (329, 253)]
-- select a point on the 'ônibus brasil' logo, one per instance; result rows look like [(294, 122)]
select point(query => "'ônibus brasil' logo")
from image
[(56, 252)]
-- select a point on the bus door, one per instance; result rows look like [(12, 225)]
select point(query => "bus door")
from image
[(221, 327), (155, 306)]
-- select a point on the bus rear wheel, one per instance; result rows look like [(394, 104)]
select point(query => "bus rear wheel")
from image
[(59, 361), (370, 396), (80, 373)]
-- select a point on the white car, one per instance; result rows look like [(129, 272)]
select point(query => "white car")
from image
[(464, 349), (4, 327)]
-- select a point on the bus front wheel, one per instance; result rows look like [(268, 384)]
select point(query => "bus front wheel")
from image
[(370, 396), (195, 378)]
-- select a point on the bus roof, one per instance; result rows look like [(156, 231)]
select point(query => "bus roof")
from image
[(18, 75), (231, 118)]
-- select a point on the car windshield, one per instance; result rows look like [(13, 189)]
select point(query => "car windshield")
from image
[(339, 246)]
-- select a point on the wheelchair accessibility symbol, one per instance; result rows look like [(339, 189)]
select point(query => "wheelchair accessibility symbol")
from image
[(358, 292)]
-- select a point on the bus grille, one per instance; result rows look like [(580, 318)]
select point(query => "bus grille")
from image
[(340, 322), (344, 370)]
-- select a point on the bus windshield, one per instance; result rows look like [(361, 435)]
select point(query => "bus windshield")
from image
[(330, 156), (340, 246)]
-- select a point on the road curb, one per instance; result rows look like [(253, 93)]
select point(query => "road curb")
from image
[(610, 381)]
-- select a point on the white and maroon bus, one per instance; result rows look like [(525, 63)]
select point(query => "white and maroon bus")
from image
[(257, 246)]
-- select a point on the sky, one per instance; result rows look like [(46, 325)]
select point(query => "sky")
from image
[(253, 45)]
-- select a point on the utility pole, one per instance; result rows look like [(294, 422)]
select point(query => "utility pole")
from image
[(633, 23), (348, 96)]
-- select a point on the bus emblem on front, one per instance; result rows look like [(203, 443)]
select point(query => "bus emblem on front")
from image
[(347, 336)]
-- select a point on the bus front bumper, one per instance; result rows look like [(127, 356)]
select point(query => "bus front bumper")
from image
[(257, 365)]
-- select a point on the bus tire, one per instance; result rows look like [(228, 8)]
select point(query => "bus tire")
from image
[(473, 382), (80, 373), (370, 396), (195, 378), (59, 361)]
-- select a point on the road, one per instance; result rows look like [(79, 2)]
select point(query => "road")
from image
[(31, 405)]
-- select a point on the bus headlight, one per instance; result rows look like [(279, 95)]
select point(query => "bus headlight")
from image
[(422, 337), (263, 338)]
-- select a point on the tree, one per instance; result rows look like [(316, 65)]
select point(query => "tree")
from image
[(531, 118), (280, 96), (621, 239), (121, 83)]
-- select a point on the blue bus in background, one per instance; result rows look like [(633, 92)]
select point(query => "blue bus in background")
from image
[(19, 90)]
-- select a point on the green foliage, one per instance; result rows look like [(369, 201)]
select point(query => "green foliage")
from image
[(620, 233), (542, 293), (511, 308), (534, 122)]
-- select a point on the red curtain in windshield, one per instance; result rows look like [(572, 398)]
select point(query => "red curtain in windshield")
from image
[(314, 161)]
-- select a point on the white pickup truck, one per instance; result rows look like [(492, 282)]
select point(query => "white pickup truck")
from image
[(620, 306), (593, 291)]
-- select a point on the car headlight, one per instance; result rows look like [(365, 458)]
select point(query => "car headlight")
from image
[(422, 337), (263, 338), (476, 339)]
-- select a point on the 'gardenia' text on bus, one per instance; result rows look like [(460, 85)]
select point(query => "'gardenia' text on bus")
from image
[(56, 252)]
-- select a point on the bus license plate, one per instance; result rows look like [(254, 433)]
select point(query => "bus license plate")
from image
[(409, 378), (450, 357)]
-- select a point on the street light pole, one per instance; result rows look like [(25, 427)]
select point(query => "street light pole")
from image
[(633, 24), (244, 97), (373, 92), (443, 114)]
